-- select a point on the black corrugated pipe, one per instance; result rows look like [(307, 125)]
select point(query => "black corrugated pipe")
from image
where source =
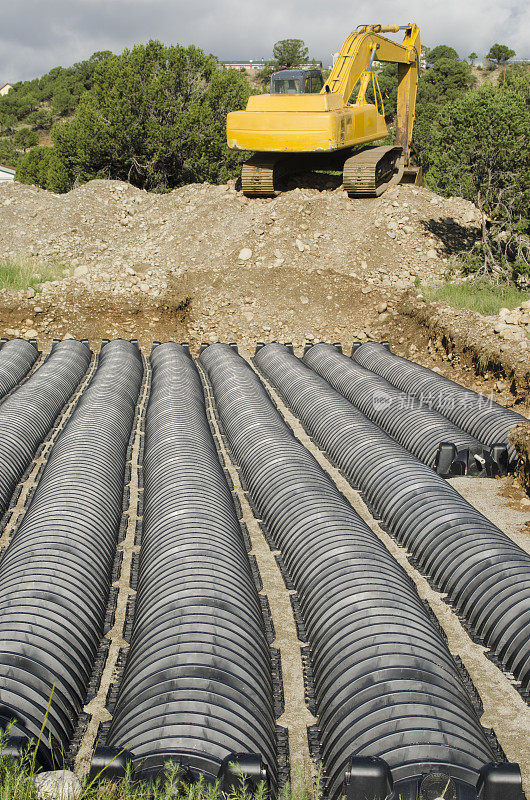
[(485, 574), (55, 575), (394, 716), (17, 357), (197, 685), (27, 415), (430, 436), (480, 416)]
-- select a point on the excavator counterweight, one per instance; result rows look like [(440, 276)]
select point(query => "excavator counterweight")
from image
[(303, 125)]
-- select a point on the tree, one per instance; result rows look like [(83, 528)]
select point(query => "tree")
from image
[(290, 53), (287, 54), (442, 51), (472, 57), (156, 116), (500, 53), (99, 56), (445, 81), (41, 119), (9, 155), (42, 167), (25, 138), (479, 151)]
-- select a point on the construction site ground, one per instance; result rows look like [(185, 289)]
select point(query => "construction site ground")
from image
[(203, 263)]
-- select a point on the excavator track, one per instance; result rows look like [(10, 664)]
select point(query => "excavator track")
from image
[(260, 175), (372, 172)]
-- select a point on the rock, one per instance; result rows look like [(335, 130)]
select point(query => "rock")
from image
[(432, 254), (248, 316), (513, 334), (382, 307), (304, 300), (143, 286), (68, 336), (31, 333), (245, 254), (468, 216), (499, 327), (79, 272), (30, 293), (384, 317), (58, 785)]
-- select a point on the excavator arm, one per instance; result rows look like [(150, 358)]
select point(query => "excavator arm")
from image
[(354, 62)]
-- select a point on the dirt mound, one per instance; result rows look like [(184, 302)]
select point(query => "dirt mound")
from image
[(204, 262)]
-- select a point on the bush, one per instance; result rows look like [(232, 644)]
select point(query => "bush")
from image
[(156, 116), (41, 166), (479, 150)]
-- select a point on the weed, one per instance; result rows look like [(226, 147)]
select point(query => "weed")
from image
[(483, 297), (17, 774), (22, 272)]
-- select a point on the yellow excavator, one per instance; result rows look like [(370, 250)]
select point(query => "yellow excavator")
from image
[(305, 124)]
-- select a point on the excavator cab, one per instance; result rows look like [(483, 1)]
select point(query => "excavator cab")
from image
[(297, 81)]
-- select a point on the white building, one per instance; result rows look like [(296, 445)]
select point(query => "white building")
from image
[(247, 66), (4, 89), (6, 173)]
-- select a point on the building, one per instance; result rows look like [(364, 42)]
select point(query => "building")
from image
[(256, 66), (6, 173), (5, 89), (247, 66)]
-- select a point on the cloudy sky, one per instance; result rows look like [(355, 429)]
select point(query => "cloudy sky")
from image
[(37, 35)]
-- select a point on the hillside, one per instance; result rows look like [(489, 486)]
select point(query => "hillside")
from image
[(31, 108)]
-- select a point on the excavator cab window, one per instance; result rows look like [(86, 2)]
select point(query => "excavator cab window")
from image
[(296, 81), (286, 85)]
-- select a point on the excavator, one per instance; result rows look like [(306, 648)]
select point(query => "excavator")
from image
[(307, 124)]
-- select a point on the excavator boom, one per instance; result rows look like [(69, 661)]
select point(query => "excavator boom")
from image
[(354, 58)]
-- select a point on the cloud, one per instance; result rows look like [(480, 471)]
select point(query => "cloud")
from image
[(37, 35)]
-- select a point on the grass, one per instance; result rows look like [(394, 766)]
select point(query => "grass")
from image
[(17, 783), (22, 272), (484, 298)]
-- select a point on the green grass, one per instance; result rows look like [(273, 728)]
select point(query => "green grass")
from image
[(484, 298), (22, 272), (17, 783)]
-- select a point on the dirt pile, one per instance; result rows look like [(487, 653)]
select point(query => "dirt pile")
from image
[(204, 262)]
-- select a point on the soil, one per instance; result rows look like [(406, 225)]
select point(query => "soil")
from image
[(204, 263)]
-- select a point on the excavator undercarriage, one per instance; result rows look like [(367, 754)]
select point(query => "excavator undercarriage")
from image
[(368, 173)]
